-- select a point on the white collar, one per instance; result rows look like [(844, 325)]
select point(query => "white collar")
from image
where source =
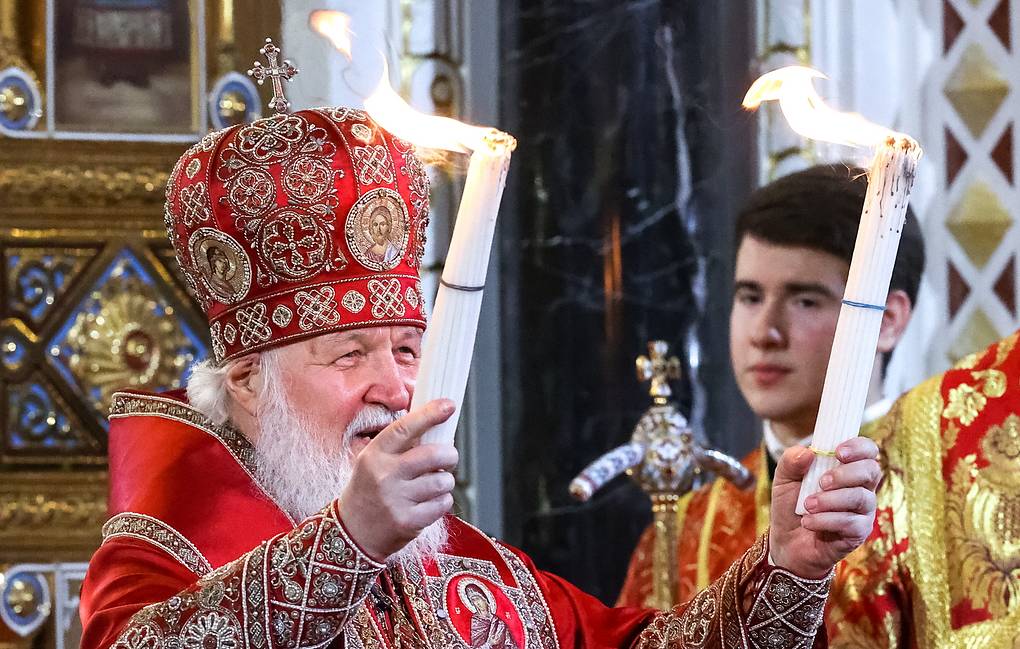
[(776, 447), (773, 444)]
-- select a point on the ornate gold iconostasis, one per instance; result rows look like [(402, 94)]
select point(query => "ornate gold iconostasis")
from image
[(97, 101)]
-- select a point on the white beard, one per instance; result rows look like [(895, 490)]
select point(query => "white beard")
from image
[(296, 468)]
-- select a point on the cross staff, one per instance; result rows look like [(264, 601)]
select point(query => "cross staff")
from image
[(276, 72), (659, 369), (667, 461)]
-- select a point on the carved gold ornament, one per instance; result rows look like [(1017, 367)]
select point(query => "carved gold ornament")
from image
[(13, 103), (131, 340)]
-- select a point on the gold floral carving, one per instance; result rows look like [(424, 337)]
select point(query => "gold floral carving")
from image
[(121, 184), (51, 516), (37, 511), (126, 343), (966, 401), (106, 185)]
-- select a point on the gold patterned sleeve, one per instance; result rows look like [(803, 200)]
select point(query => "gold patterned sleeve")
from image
[(753, 605), (297, 589)]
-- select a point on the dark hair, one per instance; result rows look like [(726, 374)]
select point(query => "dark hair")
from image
[(820, 208)]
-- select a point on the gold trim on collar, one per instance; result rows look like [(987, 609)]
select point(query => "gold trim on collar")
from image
[(127, 404)]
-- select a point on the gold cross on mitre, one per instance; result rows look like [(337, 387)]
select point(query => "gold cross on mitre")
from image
[(659, 369), (276, 72)]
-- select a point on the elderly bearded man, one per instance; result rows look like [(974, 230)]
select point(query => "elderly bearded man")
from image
[(287, 501)]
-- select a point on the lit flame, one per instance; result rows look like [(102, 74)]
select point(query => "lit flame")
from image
[(334, 25), (809, 115), (391, 112)]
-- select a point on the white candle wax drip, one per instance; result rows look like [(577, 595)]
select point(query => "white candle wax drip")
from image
[(848, 376)]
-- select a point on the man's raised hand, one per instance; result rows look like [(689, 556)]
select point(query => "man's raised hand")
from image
[(399, 486), (839, 518)]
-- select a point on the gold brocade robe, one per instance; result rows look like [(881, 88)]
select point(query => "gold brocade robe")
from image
[(942, 566)]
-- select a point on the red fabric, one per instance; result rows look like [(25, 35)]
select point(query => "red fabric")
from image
[(168, 466), (191, 482), (273, 224), (583, 620), (185, 477), (126, 575)]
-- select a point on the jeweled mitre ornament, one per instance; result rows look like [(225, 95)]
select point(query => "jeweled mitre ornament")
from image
[(299, 224)]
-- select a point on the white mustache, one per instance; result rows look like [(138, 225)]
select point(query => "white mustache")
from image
[(372, 418)]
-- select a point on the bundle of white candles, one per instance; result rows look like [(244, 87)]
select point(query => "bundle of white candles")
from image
[(890, 180), (848, 376), (450, 340)]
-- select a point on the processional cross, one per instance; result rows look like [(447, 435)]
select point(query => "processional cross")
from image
[(667, 461), (275, 71), (659, 370)]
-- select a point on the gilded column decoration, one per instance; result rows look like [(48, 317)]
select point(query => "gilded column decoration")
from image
[(91, 298), (233, 99), (20, 90)]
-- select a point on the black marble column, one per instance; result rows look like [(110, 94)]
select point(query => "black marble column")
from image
[(630, 134)]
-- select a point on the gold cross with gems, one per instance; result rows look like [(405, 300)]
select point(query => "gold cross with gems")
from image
[(659, 369), (276, 72)]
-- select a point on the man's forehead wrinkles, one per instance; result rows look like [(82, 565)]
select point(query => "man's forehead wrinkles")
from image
[(335, 338), (409, 332), (360, 336)]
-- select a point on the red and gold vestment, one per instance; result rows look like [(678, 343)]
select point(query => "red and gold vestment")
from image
[(942, 566), (716, 524), (197, 554)]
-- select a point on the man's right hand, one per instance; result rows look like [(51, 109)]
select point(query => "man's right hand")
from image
[(399, 487)]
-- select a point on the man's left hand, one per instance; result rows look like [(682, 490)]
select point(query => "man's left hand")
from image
[(839, 518)]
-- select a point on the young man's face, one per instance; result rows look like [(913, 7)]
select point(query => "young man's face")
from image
[(785, 306)]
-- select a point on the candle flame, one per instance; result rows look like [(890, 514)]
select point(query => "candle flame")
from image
[(809, 115), (334, 25), (391, 112)]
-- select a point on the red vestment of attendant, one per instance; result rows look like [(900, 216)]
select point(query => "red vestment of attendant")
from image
[(197, 554), (715, 526)]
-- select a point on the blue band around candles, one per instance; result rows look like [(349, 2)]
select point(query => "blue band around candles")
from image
[(864, 305)]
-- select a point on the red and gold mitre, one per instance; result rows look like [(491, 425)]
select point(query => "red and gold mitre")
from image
[(300, 224)]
